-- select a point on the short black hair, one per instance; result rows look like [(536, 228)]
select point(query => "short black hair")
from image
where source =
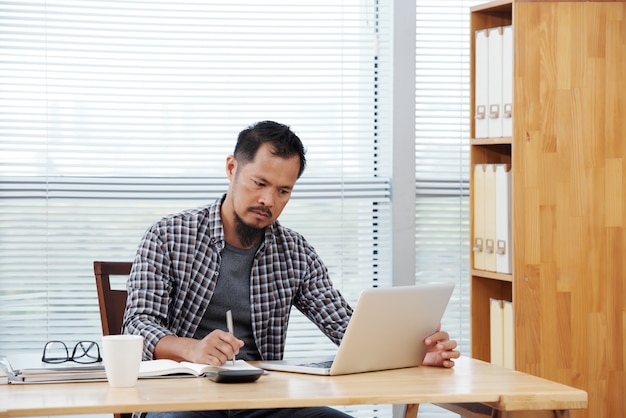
[(284, 142)]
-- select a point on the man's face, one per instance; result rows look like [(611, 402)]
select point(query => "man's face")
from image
[(261, 188)]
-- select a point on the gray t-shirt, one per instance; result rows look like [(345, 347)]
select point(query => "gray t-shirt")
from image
[(232, 292)]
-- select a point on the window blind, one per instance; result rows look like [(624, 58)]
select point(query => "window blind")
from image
[(442, 154), (115, 113), (442, 159)]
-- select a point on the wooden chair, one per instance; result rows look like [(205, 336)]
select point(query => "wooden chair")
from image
[(112, 302)]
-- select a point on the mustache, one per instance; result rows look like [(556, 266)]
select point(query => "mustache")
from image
[(261, 209)]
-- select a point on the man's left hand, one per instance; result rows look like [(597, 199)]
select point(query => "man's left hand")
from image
[(441, 350)]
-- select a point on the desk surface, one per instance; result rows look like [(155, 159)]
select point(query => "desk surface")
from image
[(471, 381)]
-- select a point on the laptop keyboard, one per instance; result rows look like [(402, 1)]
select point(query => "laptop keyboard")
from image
[(319, 364)]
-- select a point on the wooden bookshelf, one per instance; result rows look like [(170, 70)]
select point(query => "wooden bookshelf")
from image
[(568, 159)]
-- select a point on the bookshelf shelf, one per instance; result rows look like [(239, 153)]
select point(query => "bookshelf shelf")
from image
[(492, 141), (492, 275)]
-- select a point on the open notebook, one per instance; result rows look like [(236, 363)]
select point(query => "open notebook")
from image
[(387, 331)]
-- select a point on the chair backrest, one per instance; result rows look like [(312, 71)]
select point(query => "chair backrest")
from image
[(112, 302)]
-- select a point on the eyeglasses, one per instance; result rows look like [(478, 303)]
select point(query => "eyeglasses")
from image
[(84, 352)]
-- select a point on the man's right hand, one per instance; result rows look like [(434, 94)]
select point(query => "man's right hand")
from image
[(215, 349)]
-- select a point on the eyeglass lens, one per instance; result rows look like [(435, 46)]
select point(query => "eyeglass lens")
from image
[(86, 352), (55, 352)]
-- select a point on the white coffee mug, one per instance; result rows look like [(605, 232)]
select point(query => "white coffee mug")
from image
[(122, 357)]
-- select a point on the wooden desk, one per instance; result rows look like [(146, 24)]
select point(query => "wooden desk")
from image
[(472, 386)]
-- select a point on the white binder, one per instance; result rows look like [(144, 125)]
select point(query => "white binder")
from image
[(481, 84), (495, 83), (508, 336), (496, 331), (479, 217), (490, 217), (503, 219), (507, 81)]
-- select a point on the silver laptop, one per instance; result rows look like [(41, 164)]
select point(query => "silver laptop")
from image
[(387, 331)]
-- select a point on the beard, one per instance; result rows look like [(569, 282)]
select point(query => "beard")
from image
[(248, 235)]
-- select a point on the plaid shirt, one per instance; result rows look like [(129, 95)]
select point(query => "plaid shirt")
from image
[(177, 266)]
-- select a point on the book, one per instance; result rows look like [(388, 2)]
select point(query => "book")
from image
[(172, 368), (59, 374), (28, 368), (508, 345), (501, 330), (33, 371), (496, 330)]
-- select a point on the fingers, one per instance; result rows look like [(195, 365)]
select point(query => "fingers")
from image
[(437, 337), (441, 350), (448, 363), (446, 345), (441, 357), (446, 348), (218, 347)]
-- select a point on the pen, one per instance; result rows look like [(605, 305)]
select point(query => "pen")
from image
[(229, 324)]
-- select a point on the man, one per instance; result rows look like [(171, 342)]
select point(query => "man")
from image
[(194, 266)]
